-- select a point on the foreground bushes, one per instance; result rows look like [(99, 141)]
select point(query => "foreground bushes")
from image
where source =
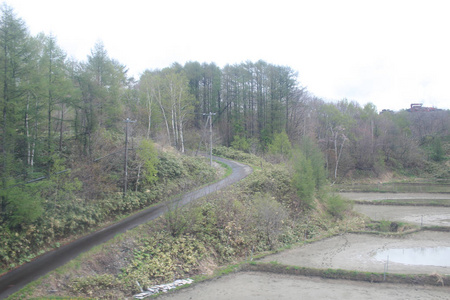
[(162, 258)]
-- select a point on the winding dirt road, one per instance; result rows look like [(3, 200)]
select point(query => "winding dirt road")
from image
[(18, 278)]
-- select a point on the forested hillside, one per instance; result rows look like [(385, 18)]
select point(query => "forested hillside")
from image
[(63, 126)]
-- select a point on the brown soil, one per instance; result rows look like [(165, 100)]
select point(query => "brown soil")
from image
[(419, 215)]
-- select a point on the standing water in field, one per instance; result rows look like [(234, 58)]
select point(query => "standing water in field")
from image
[(435, 256)]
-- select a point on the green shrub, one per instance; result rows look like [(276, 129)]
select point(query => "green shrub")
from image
[(385, 226), (438, 153), (236, 155), (149, 160), (274, 179), (337, 206), (175, 220), (169, 167), (313, 153), (240, 143), (270, 218), (198, 169), (281, 145), (303, 179), (24, 204)]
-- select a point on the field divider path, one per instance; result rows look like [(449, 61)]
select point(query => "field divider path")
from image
[(16, 279)]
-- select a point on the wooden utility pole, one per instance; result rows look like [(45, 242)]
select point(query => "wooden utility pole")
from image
[(210, 135), (125, 168)]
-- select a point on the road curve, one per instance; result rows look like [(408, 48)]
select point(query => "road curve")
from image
[(16, 279)]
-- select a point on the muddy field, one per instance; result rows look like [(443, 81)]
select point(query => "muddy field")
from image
[(359, 252), (252, 285), (419, 215)]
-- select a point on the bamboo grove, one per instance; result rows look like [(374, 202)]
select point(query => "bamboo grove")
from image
[(58, 113)]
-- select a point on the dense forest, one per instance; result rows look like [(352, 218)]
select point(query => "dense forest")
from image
[(63, 123)]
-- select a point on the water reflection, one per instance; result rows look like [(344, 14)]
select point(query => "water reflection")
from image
[(437, 256)]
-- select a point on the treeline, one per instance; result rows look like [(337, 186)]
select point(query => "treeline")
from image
[(53, 106), (58, 113), (255, 105)]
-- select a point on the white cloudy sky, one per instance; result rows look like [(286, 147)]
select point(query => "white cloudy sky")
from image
[(390, 53)]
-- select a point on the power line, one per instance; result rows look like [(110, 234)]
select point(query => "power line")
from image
[(35, 180)]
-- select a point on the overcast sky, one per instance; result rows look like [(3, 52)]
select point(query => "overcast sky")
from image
[(391, 53)]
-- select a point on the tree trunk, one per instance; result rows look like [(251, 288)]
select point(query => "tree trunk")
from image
[(175, 135), (149, 102), (338, 155), (164, 115), (181, 136), (50, 102), (27, 129), (33, 147), (61, 128)]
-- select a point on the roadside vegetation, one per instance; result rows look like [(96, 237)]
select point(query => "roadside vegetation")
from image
[(66, 215), (260, 214)]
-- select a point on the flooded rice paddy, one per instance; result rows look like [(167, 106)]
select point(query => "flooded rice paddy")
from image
[(423, 252), (433, 256)]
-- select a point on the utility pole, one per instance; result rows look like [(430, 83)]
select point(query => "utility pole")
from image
[(125, 168), (210, 135)]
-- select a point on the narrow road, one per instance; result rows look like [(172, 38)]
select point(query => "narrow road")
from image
[(13, 281)]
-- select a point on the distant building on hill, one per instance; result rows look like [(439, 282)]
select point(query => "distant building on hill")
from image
[(418, 107), (415, 107)]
